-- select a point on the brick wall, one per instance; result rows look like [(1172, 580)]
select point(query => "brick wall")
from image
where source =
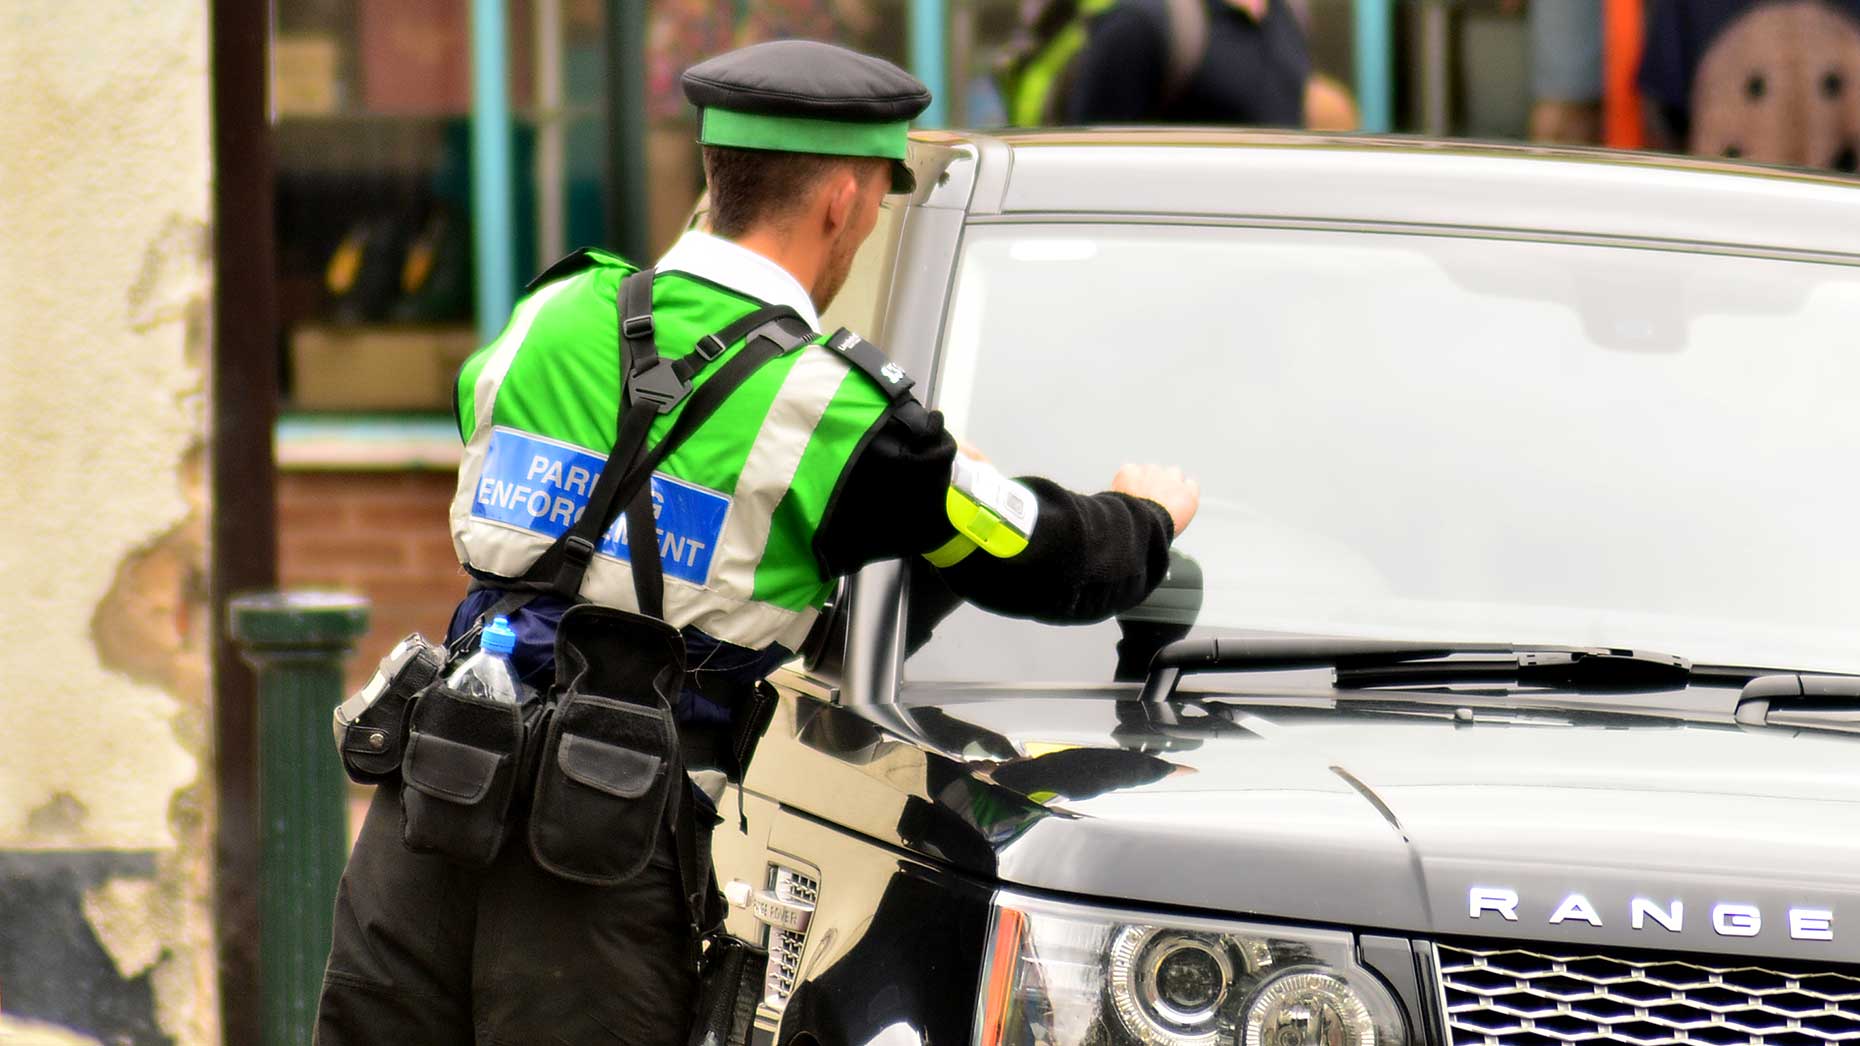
[(381, 534)]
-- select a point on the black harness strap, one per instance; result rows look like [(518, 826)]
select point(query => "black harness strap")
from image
[(648, 379), (771, 339), (870, 360), (642, 542), (565, 563), (766, 342)]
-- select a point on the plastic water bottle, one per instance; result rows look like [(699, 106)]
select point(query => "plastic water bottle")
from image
[(487, 673)]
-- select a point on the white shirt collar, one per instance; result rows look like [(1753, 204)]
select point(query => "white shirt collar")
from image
[(740, 269)]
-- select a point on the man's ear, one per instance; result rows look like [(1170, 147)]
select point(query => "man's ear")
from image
[(842, 197)]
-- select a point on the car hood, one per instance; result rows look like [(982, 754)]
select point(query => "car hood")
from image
[(1605, 826)]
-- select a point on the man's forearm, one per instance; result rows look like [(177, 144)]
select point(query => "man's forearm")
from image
[(1089, 557)]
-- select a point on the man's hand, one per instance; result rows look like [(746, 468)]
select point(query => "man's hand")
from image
[(1167, 486)]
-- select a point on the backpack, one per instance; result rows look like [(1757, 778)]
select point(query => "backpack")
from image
[(1036, 73)]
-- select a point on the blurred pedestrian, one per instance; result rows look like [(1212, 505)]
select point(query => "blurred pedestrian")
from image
[(1773, 81), (1566, 71), (1328, 105), (1192, 61)]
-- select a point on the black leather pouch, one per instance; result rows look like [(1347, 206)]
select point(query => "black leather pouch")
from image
[(371, 726), (729, 986), (458, 775), (608, 774)]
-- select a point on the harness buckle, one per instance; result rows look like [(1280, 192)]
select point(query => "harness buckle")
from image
[(577, 553), (637, 326), (659, 385), (709, 347), (578, 550)]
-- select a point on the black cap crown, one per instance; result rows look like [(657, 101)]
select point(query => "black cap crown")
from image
[(806, 78)]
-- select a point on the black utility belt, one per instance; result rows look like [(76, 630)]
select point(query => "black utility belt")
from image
[(591, 770)]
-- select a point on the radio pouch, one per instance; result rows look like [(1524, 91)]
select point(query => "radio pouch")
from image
[(609, 772), (371, 726), (729, 987), (459, 774)]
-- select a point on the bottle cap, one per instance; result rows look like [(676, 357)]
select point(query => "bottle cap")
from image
[(499, 637)]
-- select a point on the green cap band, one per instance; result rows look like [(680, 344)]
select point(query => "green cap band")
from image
[(801, 134)]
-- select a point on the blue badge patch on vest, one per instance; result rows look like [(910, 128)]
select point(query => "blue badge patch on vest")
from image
[(542, 486)]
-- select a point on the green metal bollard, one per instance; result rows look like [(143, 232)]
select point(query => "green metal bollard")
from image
[(297, 642)]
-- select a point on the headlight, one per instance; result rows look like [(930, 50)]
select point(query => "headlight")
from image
[(1070, 975)]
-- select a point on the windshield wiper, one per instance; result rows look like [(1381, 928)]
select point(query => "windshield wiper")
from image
[(1619, 671), (1365, 663), (1800, 699)]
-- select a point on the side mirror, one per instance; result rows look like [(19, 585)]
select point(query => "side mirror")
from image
[(1177, 601), (1166, 616)]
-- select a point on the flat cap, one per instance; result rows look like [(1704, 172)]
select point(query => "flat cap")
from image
[(804, 96)]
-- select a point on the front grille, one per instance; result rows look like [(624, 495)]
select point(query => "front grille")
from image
[(1518, 997), (784, 967), (785, 945), (791, 885)]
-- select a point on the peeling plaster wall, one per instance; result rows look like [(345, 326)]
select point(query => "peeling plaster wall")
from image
[(105, 782)]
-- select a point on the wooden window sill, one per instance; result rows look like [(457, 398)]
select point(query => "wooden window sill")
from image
[(367, 443)]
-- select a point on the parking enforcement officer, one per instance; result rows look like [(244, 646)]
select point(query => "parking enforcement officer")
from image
[(817, 461)]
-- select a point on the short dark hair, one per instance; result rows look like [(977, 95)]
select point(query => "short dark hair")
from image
[(750, 187)]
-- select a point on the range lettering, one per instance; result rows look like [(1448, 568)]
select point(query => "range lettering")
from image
[(1728, 919)]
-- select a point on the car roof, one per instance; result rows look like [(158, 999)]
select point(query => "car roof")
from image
[(1447, 185)]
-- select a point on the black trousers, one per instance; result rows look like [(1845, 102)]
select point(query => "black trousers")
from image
[(429, 953)]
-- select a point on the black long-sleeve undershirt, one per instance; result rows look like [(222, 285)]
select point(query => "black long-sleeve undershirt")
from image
[(1089, 557)]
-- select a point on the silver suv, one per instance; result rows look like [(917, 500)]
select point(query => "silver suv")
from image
[(1503, 693)]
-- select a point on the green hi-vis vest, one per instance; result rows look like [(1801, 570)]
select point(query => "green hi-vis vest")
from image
[(737, 504)]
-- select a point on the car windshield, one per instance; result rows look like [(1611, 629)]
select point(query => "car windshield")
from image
[(1451, 438)]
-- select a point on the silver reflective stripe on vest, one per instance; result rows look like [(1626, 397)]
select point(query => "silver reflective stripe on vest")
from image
[(466, 541), (721, 607), (771, 465)]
